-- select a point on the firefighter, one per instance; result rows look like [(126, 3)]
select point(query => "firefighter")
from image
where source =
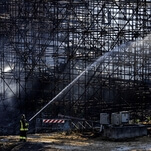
[(23, 128)]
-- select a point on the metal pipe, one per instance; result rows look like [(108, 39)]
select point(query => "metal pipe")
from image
[(90, 67)]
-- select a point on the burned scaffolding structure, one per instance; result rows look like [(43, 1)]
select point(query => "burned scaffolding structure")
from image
[(45, 45)]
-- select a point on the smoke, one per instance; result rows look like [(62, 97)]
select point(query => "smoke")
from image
[(128, 62), (35, 48), (123, 57)]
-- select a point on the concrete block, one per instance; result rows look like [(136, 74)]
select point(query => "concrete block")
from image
[(123, 132)]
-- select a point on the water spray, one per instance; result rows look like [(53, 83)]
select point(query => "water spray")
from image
[(90, 67), (59, 94)]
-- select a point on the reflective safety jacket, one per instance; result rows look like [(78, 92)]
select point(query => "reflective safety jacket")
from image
[(23, 125)]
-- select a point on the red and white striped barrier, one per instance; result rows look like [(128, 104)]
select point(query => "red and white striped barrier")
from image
[(53, 121)]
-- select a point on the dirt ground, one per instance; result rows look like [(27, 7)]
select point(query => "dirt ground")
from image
[(72, 142)]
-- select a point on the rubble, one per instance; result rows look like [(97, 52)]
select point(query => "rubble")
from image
[(73, 142)]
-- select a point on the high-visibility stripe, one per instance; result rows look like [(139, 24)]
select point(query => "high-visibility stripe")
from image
[(23, 137), (53, 121), (22, 128), (50, 121)]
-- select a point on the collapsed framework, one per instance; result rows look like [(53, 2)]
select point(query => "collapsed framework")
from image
[(46, 44)]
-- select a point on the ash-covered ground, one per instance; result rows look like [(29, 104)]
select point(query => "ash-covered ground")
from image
[(72, 142)]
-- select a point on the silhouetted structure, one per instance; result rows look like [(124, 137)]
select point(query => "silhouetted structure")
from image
[(45, 44)]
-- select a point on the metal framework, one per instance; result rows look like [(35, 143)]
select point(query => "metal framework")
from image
[(46, 44)]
